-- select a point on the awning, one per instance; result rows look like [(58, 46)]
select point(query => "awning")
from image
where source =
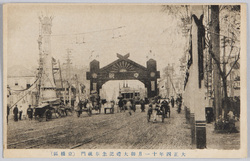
[(52, 101)]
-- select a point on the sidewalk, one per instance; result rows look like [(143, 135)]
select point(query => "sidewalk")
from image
[(225, 141)]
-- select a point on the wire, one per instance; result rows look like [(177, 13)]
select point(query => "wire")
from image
[(24, 95), (83, 33), (221, 35), (26, 88)]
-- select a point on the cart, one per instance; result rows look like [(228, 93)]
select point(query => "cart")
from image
[(109, 106), (43, 111), (97, 106), (96, 101), (83, 107), (160, 112), (166, 107)]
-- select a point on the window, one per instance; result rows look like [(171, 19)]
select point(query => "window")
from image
[(28, 83), (152, 85), (16, 83), (94, 86)]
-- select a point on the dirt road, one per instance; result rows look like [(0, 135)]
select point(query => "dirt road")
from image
[(101, 131)]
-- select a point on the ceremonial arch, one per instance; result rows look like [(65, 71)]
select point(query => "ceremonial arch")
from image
[(124, 69)]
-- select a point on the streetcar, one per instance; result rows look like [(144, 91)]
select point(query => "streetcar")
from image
[(129, 94)]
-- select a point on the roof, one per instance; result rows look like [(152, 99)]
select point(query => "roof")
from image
[(128, 90), (20, 71)]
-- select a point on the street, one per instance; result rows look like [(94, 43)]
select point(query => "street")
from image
[(101, 131)]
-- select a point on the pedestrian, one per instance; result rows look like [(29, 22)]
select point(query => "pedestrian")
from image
[(179, 103), (124, 105), (133, 105), (142, 105), (20, 113), (129, 106), (172, 102), (155, 109), (30, 112), (8, 112), (112, 104), (120, 104), (89, 105), (165, 106), (15, 112)]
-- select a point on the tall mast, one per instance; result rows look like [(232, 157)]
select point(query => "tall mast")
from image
[(48, 88)]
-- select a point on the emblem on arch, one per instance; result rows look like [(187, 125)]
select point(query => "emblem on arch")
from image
[(112, 75), (123, 66), (136, 75)]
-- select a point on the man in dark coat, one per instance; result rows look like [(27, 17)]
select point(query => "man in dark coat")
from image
[(30, 112), (142, 106), (164, 105), (120, 104), (15, 112), (8, 112), (172, 102)]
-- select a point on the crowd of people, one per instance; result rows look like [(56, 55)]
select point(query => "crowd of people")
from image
[(155, 104), (18, 113)]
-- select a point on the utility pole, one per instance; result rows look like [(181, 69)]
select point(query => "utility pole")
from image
[(67, 78), (224, 83), (68, 64), (215, 49)]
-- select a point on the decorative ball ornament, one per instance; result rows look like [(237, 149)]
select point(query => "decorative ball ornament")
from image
[(152, 74), (94, 75)]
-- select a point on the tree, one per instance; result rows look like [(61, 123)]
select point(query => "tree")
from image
[(181, 12), (214, 51), (224, 24)]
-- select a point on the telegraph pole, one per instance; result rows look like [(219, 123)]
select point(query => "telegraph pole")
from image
[(68, 65), (215, 49), (67, 78)]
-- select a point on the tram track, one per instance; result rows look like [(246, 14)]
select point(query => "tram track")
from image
[(94, 137), (116, 131), (53, 135)]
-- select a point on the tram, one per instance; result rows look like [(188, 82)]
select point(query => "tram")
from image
[(130, 94)]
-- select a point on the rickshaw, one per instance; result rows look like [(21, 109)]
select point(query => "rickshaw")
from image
[(84, 106), (43, 111), (96, 101), (160, 112), (46, 108), (165, 105)]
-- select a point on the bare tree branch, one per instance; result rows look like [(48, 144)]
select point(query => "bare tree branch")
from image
[(235, 62), (217, 62), (231, 49)]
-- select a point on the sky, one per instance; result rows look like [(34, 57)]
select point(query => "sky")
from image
[(118, 29), (105, 30)]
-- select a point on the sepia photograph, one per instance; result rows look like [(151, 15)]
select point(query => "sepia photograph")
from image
[(124, 80)]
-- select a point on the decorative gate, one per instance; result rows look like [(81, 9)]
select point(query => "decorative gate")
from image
[(124, 69)]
